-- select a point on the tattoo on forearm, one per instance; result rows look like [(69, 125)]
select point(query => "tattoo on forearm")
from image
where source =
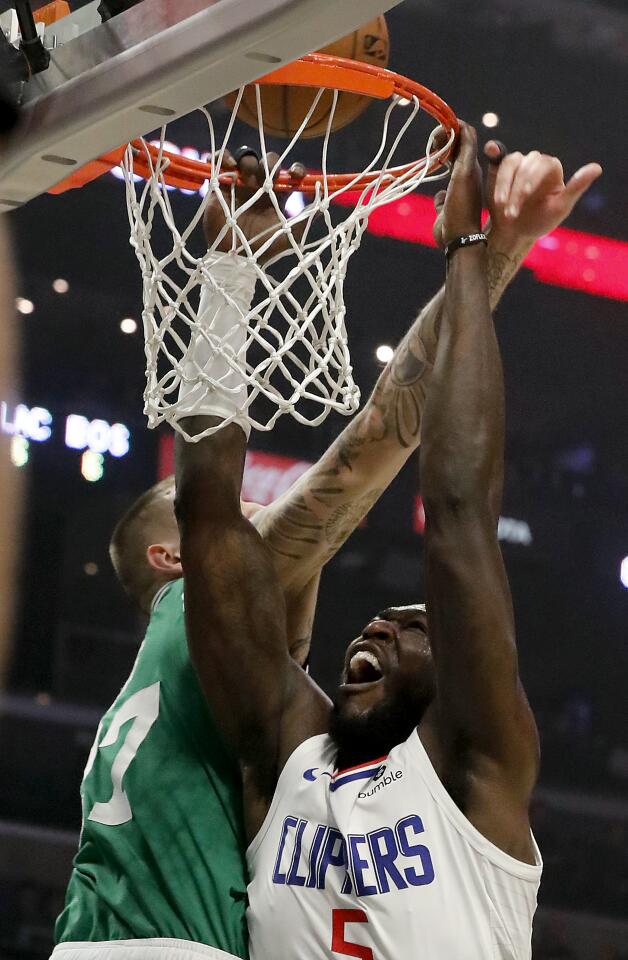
[(401, 391), (319, 519), (410, 363), (294, 531), (501, 270), (346, 517)]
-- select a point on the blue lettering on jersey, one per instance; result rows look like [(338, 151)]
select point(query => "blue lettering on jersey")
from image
[(388, 858)]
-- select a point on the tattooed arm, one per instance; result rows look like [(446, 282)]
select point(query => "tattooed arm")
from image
[(310, 522), (307, 525)]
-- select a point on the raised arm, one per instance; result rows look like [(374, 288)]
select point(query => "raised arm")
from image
[(482, 718), (236, 619), (527, 198)]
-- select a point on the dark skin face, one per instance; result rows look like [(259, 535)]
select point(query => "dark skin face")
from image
[(391, 659)]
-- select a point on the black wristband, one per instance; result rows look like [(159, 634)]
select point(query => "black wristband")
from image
[(468, 240)]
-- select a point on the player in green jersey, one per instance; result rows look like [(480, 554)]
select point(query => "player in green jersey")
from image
[(160, 853), (160, 867)]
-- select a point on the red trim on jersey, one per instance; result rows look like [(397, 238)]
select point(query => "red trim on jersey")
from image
[(358, 766)]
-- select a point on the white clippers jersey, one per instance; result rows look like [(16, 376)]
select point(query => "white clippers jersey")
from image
[(377, 862)]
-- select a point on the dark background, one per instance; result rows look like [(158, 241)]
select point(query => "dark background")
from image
[(556, 74)]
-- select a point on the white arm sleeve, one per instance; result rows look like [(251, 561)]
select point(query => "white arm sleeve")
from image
[(210, 386)]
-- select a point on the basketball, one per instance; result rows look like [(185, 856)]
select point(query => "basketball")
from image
[(284, 108)]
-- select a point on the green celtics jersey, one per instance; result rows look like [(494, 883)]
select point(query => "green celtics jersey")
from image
[(161, 852)]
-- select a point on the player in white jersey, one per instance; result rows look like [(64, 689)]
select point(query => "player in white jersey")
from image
[(393, 824)]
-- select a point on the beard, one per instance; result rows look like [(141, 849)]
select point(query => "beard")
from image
[(373, 734)]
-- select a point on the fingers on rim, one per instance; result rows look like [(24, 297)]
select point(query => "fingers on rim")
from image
[(228, 161), (247, 162), (495, 152), (441, 137), (253, 170), (495, 158), (298, 170), (269, 164), (467, 146), (243, 152), (468, 136), (272, 162)]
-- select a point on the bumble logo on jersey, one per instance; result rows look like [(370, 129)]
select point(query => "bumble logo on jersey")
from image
[(382, 860), (381, 779)]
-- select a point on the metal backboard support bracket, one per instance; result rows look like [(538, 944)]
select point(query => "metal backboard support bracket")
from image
[(153, 63)]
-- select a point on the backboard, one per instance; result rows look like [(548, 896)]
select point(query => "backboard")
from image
[(111, 82)]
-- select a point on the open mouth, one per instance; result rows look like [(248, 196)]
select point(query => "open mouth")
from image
[(364, 668)]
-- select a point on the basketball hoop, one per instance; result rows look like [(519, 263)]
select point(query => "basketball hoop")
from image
[(331, 73), (296, 358)]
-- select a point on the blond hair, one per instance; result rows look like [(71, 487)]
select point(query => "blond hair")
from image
[(149, 518)]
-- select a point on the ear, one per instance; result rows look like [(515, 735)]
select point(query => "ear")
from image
[(165, 559)]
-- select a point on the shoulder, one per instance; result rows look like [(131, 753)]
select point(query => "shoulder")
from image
[(170, 593), (165, 633), (320, 747)]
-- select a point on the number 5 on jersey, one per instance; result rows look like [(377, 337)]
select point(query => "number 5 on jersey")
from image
[(339, 944), (143, 709)]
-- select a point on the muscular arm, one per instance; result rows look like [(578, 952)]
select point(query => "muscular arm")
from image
[(482, 718), (236, 618)]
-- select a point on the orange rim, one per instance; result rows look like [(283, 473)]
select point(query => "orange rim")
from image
[(314, 70)]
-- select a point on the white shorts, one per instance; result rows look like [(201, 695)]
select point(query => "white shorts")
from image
[(154, 949)]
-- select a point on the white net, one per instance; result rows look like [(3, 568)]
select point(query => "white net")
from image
[(294, 358)]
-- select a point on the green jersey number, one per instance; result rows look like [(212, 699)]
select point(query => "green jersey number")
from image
[(143, 709)]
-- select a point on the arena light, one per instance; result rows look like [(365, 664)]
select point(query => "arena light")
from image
[(384, 353), (24, 306), (60, 285), (128, 325), (92, 466), (33, 423), (490, 119), (37, 424), (623, 572), (90, 569), (295, 204), (19, 451), (96, 436)]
